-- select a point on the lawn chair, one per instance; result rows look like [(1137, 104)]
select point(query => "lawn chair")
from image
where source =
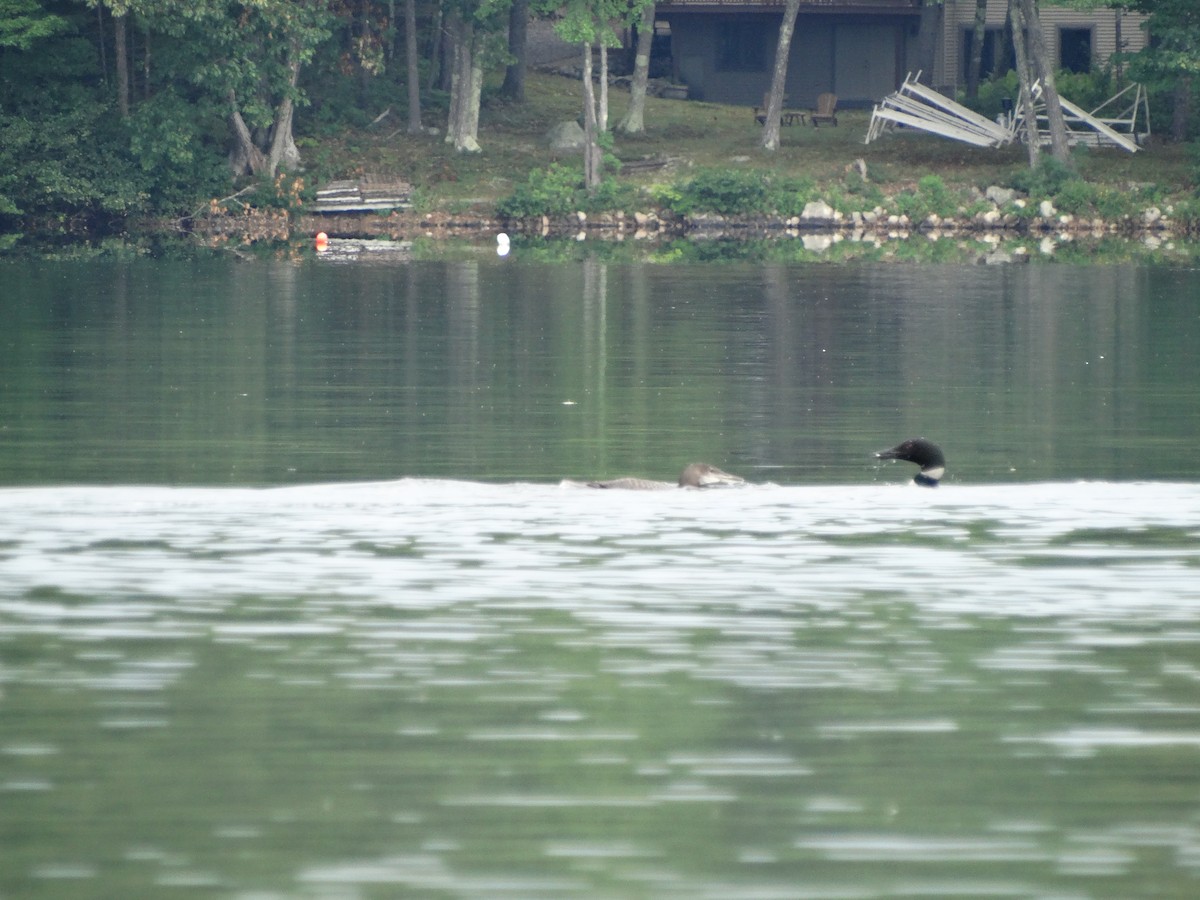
[(786, 116), (826, 110)]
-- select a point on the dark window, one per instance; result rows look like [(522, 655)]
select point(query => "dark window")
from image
[(742, 47), (996, 59), (1075, 49)]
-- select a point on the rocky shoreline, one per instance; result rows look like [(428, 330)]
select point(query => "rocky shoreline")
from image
[(1013, 216)]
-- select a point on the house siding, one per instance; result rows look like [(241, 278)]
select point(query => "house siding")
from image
[(959, 15), (860, 50), (860, 58)]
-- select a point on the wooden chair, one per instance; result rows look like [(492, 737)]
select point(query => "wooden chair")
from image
[(826, 110), (786, 116)]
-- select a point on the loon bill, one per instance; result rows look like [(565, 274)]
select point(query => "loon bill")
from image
[(695, 475), (925, 454)]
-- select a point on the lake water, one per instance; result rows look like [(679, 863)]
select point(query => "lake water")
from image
[(294, 601)]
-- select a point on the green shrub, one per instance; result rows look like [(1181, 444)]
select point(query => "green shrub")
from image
[(1045, 180), (1086, 89), (177, 145), (993, 93), (1077, 197), (930, 197), (554, 191), (70, 163), (789, 196), (724, 191), (1187, 213)]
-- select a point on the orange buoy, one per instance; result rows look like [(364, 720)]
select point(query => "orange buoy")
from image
[(322, 241)]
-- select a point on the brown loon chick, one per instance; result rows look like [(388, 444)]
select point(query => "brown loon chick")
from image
[(925, 454), (695, 475)]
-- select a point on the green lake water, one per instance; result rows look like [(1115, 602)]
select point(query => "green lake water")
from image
[(295, 600)]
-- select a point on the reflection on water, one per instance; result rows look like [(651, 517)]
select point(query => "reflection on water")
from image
[(273, 372), (428, 688)]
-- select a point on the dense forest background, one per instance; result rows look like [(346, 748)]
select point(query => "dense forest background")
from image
[(117, 108)]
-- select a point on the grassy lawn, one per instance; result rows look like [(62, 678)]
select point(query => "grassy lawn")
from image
[(694, 135)]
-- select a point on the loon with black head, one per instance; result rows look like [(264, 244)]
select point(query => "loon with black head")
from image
[(925, 454), (694, 475)]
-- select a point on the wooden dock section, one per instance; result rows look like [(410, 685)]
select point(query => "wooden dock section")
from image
[(370, 193)]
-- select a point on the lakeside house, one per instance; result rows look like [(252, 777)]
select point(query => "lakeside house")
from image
[(862, 50)]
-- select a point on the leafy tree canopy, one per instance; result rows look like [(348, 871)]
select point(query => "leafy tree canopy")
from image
[(24, 22)]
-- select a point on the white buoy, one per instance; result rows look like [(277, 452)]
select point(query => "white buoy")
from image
[(503, 245)]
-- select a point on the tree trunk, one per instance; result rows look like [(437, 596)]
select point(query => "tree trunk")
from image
[(514, 74), (1119, 40), (390, 46), (1182, 106), (121, 52), (447, 41), (414, 68), (975, 64), (770, 140), (102, 43), (591, 146), (1025, 77), (466, 86), (633, 122), (928, 40), (363, 27), (435, 48), (602, 115), (145, 63), (469, 142), (283, 144), (245, 156), (452, 67), (1059, 148)]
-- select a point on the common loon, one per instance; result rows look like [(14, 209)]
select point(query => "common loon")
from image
[(925, 454), (695, 475)]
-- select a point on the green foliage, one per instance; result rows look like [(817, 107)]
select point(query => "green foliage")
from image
[(1187, 213), (788, 196), (724, 191), (24, 22), (1087, 89), (613, 194), (66, 163), (1045, 180), (554, 191), (559, 191), (176, 144), (993, 93), (733, 192), (931, 197)]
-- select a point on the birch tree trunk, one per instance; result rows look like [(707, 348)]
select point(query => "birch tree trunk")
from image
[(1059, 148), (591, 145), (1025, 77), (602, 115), (633, 122), (770, 140)]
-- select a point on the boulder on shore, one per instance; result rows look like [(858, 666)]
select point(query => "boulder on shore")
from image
[(566, 137)]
